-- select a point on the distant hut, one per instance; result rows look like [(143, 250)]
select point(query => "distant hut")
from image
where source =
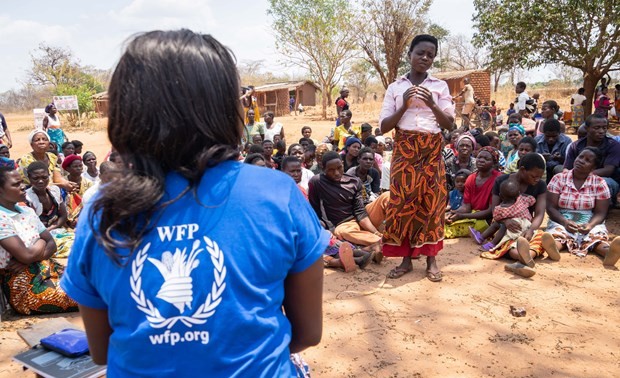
[(479, 79), (100, 100), (276, 96)]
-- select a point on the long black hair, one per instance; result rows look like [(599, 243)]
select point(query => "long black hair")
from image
[(173, 106)]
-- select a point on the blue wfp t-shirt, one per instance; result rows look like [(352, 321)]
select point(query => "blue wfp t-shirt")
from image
[(202, 294)]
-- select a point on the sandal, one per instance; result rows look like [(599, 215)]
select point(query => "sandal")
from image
[(520, 269), (476, 235), (398, 272), (487, 247), (434, 277)]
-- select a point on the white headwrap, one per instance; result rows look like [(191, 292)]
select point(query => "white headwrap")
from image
[(35, 132)]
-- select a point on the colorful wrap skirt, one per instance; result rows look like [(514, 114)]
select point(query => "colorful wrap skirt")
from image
[(36, 289), (576, 242), (415, 214)]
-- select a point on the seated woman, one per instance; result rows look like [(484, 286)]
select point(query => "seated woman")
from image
[(465, 145), (350, 153), (90, 161), (475, 209), (525, 146), (368, 175), (29, 277), (577, 205), (533, 241), (40, 144), (74, 167), (47, 203), (516, 132)]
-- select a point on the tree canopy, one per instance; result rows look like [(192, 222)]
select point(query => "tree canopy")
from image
[(575, 33), (313, 35), (384, 29)]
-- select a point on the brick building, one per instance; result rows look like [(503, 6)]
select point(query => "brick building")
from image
[(276, 96), (479, 79)]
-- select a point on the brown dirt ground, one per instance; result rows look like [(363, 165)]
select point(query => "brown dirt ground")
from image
[(411, 327)]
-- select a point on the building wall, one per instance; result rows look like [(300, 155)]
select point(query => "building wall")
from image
[(307, 95), (481, 81)]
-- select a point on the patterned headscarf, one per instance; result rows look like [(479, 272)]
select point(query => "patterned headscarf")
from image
[(466, 136), (516, 126), (7, 163), (494, 153)]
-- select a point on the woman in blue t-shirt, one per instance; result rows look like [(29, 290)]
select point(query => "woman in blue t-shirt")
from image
[(174, 274)]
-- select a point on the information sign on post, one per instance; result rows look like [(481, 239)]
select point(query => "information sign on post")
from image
[(66, 102), (39, 116)]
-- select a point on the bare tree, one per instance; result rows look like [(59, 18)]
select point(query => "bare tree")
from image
[(384, 29), (358, 76), (52, 66)]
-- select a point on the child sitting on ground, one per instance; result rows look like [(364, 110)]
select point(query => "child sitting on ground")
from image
[(455, 198), (513, 206), (339, 254)]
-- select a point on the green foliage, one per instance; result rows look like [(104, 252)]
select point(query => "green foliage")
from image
[(313, 34), (576, 33)]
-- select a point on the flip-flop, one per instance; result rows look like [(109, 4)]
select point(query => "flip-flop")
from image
[(398, 272), (487, 246), (476, 235), (548, 243), (520, 269), (345, 254), (434, 277), (613, 254)]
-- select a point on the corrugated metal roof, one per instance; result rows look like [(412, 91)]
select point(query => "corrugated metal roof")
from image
[(448, 75)]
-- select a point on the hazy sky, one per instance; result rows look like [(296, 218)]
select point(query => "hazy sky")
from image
[(95, 30)]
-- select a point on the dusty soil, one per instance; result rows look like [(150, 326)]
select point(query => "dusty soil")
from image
[(461, 327)]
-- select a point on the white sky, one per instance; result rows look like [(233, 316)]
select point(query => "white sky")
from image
[(95, 30)]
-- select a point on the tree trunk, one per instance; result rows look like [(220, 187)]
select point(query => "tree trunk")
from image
[(589, 84), (324, 94)]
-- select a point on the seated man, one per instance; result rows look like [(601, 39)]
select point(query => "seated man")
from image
[(552, 145), (337, 200), (596, 136)]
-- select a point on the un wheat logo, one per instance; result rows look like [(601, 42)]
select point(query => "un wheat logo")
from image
[(177, 288)]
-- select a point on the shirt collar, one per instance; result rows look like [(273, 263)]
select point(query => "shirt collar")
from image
[(11, 212), (429, 77)]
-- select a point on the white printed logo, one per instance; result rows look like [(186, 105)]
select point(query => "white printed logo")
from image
[(177, 289)]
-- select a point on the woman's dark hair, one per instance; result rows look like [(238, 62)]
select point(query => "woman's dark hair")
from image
[(290, 148), (304, 139), (482, 140), (462, 173), (329, 156), (4, 171), (598, 155), (3, 146), (288, 160), (370, 140), (581, 91), (67, 144), (251, 158), (532, 160), (306, 128), (553, 105), (256, 149), (88, 153), (366, 150), (36, 166), (491, 135), (77, 143), (265, 142), (529, 140), (423, 38), (158, 126), (280, 145), (552, 125)]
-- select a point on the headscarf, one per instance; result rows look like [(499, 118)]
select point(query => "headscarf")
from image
[(516, 126), (380, 139), (48, 108), (494, 153), (465, 136), (35, 132), (7, 163), (70, 159)]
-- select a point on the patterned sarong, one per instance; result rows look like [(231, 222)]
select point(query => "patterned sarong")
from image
[(36, 289), (415, 213)]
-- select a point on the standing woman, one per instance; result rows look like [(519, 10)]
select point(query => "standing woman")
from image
[(271, 128), (158, 254), (418, 106), (51, 124)]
